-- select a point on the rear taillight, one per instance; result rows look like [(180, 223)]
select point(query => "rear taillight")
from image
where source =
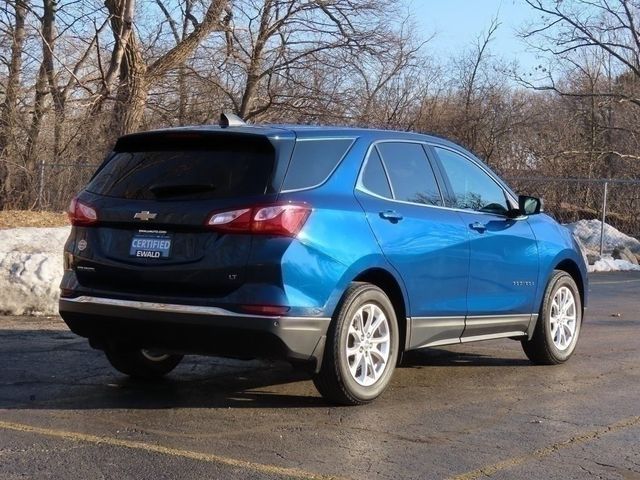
[(278, 219), (81, 214)]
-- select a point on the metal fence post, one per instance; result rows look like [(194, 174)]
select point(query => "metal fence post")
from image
[(604, 217), (41, 185)]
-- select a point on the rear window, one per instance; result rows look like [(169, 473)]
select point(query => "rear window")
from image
[(191, 174), (313, 161)]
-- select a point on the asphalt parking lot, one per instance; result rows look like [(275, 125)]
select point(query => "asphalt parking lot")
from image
[(474, 411)]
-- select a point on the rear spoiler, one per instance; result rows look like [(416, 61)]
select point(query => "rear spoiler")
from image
[(172, 140)]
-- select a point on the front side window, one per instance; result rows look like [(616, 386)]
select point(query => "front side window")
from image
[(410, 173), (473, 188)]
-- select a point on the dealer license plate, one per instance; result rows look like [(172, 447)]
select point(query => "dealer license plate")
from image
[(150, 246)]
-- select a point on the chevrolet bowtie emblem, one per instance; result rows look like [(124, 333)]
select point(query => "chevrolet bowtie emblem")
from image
[(145, 215)]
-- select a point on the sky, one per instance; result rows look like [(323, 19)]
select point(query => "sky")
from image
[(458, 23)]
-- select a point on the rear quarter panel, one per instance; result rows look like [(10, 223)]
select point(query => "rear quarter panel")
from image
[(336, 244)]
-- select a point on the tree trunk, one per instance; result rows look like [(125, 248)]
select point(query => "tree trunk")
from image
[(136, 77), (255, 64), (57, 93), (130, 104), (8, 109), (133, 90), (31, 150)]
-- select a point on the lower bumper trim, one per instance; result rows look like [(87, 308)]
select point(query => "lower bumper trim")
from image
[(160, 307), (194, 329)]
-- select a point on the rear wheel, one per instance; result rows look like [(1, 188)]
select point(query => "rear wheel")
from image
[(362, 347), (141, 363), (556, 334)]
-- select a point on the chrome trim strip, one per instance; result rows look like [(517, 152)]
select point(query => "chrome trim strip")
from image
[(319, 139), (168, 307), (478, 320), (492, 336), (360, 186), (473, 317)]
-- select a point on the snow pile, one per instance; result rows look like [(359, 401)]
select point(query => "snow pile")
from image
[(31, 269), (588, 234), (588, 231), (609, 264)]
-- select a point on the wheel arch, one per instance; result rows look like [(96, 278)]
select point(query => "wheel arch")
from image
[(569, 266), (384, 280)]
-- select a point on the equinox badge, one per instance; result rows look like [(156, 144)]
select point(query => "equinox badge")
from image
[(145, 215)]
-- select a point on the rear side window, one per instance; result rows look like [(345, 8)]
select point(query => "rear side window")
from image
[(313, 161), (412, 178), (190, 174), (374, 177), (472, 187)]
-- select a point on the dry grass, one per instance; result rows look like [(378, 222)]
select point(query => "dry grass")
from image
[(26, 218)]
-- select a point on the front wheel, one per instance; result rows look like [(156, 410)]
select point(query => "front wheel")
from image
[(141, 363), (362, 347), (556, 334)]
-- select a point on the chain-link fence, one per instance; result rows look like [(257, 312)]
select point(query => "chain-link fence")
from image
[(59, 182), (612, 201)]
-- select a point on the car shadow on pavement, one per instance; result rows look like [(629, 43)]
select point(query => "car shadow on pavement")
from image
[(432, 357), (54, 369)]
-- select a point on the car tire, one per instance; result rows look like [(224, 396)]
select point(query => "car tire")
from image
[(141, 363), (556, 333), (361, 349)]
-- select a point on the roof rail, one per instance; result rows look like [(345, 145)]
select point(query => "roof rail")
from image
[(230, 120)]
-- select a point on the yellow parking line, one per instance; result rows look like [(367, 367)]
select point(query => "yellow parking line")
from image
[(489, 470), (175, 452)]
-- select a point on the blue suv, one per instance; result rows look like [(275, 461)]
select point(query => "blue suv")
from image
[(337, 249)]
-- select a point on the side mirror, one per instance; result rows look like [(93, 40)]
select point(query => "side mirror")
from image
[(529, 205)]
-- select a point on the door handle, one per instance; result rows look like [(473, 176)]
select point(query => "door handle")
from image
[(480, 227), (391, 215)]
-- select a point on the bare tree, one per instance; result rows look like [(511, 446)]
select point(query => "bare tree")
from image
[(577, 27), (594, 58), (9, 107), (276, 50), (136, 76)]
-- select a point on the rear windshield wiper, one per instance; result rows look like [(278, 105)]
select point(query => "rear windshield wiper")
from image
[(176, 190)]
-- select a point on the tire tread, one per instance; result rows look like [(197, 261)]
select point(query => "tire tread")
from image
[(537, 349), (329, 381)]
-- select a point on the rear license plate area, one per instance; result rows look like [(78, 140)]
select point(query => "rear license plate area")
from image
[(147, 245)]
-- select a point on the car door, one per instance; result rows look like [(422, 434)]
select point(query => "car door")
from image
[(424, 242), (503, 264)]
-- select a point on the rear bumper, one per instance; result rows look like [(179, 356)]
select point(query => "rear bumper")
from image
[(195, 329)]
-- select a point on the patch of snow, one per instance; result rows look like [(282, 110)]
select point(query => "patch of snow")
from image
[(609, 264), (31, 269), (588, 231)]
